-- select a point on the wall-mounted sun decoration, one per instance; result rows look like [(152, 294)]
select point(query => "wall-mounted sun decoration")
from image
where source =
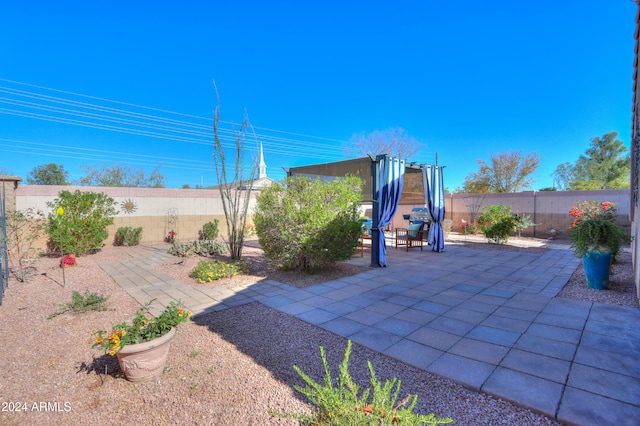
[(128, 206)]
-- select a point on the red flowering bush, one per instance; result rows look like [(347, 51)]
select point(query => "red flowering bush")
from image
[(468, 227), (594, 229), (592, 209)]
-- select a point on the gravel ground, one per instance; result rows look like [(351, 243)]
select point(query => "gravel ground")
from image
[(225, 368)]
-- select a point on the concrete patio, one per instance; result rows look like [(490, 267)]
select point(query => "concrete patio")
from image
[(486, 319)]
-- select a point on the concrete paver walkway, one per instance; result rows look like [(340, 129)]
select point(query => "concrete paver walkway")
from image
[(486, 319)]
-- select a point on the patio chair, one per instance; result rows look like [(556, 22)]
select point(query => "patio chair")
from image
[(411, 236), (365, 236)]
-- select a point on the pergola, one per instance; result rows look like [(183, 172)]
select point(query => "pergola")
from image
[(384, 178)]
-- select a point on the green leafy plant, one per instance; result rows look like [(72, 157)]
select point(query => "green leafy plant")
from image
[(141, 329), (498, 223), (127, 235), (594, 234), (200, 248), (80, 303), (523, 223), (210, 230), (210, 270), (342, 402), (594, 228), (309, 224), (82, 228), (24, 228)]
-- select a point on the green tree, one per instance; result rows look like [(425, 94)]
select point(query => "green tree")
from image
[(604, 165), (394, 141), (563, 175), (48, 174), (305, 224), (118, 175), (82, 227), (507, 172)]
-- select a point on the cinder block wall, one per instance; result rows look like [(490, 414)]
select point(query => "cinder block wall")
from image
[(8, 188), (159, 210), (547, 209), (156, 210)]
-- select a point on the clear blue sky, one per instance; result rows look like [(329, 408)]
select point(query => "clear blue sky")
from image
[(467, 79)]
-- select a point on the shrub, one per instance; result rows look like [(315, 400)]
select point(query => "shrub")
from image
[(469, 228), (309, 224), (498, 223), (24, 228), (210, 270), (344, 404), (83, 303), (209, 230), (82, 226), (127, 235), (523, 223), (200, 248), (447, 225)]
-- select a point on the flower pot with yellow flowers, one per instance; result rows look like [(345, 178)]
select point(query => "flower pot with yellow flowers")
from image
[(142, 347)]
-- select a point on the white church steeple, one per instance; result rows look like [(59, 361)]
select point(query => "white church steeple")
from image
[(262, 167)]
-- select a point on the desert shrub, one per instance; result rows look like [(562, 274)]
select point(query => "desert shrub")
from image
[(523, 223), (309, 224), (498, 223), (200, 248), (82, 228), (210, 230), (447, 225), (80, 303), (24, 228), (340, 402), (210, 270), (127, 235), (468, 228)]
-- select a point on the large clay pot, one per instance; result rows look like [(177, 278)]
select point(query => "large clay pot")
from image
[(596, 269), (145, 361)]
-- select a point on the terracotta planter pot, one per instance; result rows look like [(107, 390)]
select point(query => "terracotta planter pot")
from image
[(145, 361)]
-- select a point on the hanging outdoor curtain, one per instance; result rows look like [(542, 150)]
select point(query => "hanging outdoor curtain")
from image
[(390, 179), (434, 194)]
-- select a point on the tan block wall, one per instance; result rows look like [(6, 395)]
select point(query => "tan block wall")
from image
[(194, 207), (155, 209), (547, 209), (8, 188)]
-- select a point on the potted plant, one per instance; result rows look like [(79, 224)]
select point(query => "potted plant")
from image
[(142, 347), (596, 239)]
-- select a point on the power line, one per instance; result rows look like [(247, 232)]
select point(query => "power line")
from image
[(130, 119)]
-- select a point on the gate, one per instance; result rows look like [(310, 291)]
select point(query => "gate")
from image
[(4, 253)]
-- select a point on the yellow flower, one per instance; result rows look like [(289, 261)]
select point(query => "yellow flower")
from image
[(59, 211)]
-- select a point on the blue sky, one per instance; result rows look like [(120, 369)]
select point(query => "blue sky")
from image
[(84, 83)]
